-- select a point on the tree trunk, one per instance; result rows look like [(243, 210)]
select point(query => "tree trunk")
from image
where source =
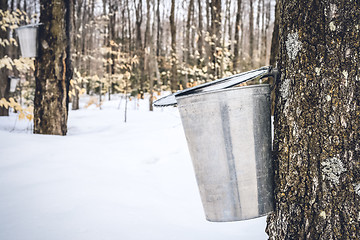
[(18, 5), (113, 8), (4, 79), (230, 28), (215, 37), (258, 35), (266, 24), (25, 6), (139, 48), (84, 20), (149, 54), (124, 36), (174, 81), (76, 14), (153, 65), (223, 43), (90, 43), (208, 15), (316, 122), (251, 34), (13, 50), (159, 29), (275, 36), (147, 26), (53, 71), (237, 43), (241, 42), (129, 27), (113, 35), (200, 34), (187, 36)]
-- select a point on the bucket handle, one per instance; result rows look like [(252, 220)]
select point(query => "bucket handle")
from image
[(275, 74)]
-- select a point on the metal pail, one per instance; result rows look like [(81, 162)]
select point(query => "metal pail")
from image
[(229, 138), (13, 83), (28, 40)]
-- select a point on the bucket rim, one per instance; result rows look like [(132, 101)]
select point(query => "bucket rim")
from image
[(33, 25), (14, 77), (263, 85)]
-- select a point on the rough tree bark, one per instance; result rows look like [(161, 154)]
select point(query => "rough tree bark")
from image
[(90, 42), (174, 81), (153, 68), (215, 37), (76, 16), (251, 33), (236, 60), (139, 47), (4, 79), (129, 27), (266, 23), (148, 54), (230, 27), (113, 35), (84, 42), (258, 36), (223, 42), (275, 36), (53, 68), (113, 8), (159, 30), (317, 124), (274, 51), (200, 41), (187, 35)]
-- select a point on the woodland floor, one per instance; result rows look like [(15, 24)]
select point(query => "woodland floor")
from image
[(106, 180)]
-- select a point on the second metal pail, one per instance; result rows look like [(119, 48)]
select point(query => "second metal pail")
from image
[(229, 139), (13, 83)]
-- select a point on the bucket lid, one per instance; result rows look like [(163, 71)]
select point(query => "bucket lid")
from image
[(33, 25), (223, 83)]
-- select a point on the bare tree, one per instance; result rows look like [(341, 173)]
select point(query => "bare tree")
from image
[(251, 33), (275, 35), (188, 29), (237, 32), (316, 138), (4, 79), (200, 41), (215, 37), (159, 29), (53, 68), (174, 81)]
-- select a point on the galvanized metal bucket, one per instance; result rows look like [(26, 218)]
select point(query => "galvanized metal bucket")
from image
[(28, 39), (13, 83), (229, 139)]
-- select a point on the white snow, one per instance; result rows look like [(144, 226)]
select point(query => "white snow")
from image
[(106, 180)]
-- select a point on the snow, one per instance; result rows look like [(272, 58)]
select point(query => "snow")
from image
[(106, 180)]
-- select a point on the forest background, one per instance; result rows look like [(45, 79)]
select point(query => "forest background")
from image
[(141, 47)]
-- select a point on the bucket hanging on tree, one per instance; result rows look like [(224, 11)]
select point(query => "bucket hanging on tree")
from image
[(28, 39), (228, 131), (13, 83)]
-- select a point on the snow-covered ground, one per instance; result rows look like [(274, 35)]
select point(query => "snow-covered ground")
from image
[(106, 180)]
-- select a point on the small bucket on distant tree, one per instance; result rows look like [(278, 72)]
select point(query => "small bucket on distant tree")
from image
[(28, 39), (13, 83)]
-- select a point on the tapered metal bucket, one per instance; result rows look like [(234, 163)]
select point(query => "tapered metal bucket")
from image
[(28, 39), (229, 138), (13, 83)]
